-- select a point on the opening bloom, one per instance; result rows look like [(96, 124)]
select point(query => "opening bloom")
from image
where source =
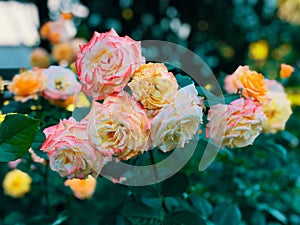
[(235, 125), (153, 86), (63, 52), (250, 82), (16, 183), (28, 84), (278, 110), (69, 151), (176, 123), (106, 62), (119, 126), (82, 188), (62, 83)]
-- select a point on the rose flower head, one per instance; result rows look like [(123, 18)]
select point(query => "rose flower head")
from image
[(153, 86), (278, 110), (176, 123), (82, 188), (286, 70), (69, 151), (119, 126), (28, 84), (250, 82), (105, 64), (235, 125), (62, 83)]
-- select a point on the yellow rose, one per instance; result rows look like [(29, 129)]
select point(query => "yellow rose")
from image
[(259, 50), (153, 85), (82, 188), (28, 84), (16, 183), (278, 110)]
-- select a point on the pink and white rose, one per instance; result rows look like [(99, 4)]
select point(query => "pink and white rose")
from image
[(119, 126), (235, 125), (176, 123), (69, 151), (61, 84), (106, 62)]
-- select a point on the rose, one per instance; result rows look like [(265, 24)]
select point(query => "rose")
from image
[(251, 83), (16, 183), (69, 151), (28, 84), (63, 53), (119, 126), (278, 110), (106, 62), (61, 84), (176, 123), (235, 125), (82, 188), (153, 85), (40, 57), (286, 70)]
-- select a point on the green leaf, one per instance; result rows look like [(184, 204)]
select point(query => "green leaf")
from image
[(175, 185), (17, 133), (62, 217), (152, 202), (274, 212), (14, 218), (184, 218), (202, 205), (183, 80), (171, 203), (37, 144), (228, 98), (139, 214), (227, 214)]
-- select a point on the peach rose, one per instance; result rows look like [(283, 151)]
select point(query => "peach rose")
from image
[(82, 188), (251, 83), (278, 110), (235, 125), (106, 62), (62, 83), (63, 52), (153, 85), (28, 84), (286, 70), (176, 123), (39, 57), (119, 126), (69, 151)]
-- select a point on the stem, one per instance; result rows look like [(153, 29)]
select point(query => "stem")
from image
[(46, 187), (153, 164)]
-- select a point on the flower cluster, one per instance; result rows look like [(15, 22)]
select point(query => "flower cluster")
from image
[(119, 124), (56, 83), (61, 35), (263, 108)]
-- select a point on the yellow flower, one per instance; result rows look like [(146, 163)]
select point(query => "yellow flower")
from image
[(16, 183), (259, 50), (153, 85), (82, 188), (28, 84), (278, 110)]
